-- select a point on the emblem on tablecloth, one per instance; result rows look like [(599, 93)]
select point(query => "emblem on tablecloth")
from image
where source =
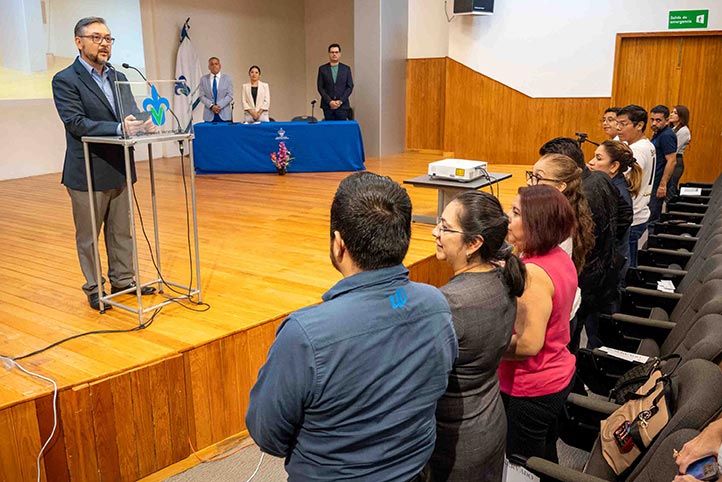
[(281, 135)]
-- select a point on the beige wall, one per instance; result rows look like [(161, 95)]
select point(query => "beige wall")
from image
[(327, 22)]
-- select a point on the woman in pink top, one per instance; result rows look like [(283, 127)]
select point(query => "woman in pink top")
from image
[(536, 375)]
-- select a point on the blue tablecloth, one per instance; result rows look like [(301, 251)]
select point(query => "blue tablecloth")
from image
[(324, 146)]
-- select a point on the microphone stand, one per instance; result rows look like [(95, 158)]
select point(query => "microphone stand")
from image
[(582, 138), (312, 120)]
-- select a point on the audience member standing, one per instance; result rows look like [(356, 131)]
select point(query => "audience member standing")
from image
[(216, 93), (631, 123), (599, 277), (665, 143), (679, 120), (609, 122), (614, 158), (256, 97), (335, 85), (536, 375), (350, 386), (482, 295)]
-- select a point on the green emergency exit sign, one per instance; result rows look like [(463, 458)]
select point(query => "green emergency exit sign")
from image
[(688, 19)]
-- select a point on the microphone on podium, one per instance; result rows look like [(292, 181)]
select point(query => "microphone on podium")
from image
[(312, 120)]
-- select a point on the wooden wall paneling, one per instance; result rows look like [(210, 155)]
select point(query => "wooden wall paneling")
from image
[(11, 464), (175, 376), (160, 410), (647, 72), (77, 418), (699, 90), (142, 392), (106, 434), (199, 423), (54, 458), (215, 393), (236, 382), (122, 390), (425, 99), (25, 421), (490, 121)]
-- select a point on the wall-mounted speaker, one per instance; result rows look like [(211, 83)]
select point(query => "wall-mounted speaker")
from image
[(473, 7)]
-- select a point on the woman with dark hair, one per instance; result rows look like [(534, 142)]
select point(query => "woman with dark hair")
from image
[(536, 374), (488, 278), (256, 97), (616, 158), (679, 120)]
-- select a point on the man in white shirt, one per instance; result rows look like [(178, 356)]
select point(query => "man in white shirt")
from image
[(631, 124), (216, 93)]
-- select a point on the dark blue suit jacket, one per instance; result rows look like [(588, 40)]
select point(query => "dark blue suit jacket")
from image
[(338, 91), (85, 111)]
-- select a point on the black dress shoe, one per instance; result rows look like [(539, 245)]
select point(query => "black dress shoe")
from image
[(145, 290), (94, 302)]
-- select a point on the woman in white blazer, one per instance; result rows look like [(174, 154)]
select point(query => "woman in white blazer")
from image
[(256, 97)]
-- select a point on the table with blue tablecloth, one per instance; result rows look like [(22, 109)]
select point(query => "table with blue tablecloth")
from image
[(318, 147)]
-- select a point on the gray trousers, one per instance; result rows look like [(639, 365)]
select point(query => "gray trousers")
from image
[(112, 213)]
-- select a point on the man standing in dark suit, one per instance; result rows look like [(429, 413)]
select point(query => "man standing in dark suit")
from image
[(335, 84), (84, 95)]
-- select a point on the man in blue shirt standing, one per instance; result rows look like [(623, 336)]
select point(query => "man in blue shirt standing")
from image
[(350, 386), (335, 84), (665, 141)]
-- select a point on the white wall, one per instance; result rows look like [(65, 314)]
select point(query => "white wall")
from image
[(22, 37), (546, 49), (428, 29)]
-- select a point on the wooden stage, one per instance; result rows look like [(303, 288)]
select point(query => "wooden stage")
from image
[(130, 403)]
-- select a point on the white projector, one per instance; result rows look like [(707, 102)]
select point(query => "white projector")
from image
[(462, 170)]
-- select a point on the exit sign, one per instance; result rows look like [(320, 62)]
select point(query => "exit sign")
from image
[(688, 19)]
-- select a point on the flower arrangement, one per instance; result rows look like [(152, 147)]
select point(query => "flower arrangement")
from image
[(282, 158)]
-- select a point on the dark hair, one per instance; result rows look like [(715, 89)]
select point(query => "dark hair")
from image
[(373, 215), (213, 58), (660, 109), (566, 170), (636, 114), (564, 145), (84, 22), (254, 67), (481, 214), (683, 114), (547, 218), (622, 153), (334, 45), (613, 109)]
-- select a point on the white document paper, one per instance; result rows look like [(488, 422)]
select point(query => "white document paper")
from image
[(517, 473), (665, 286), (625, 355), (690, 191)]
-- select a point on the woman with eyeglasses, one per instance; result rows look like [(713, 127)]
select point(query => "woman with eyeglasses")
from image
[(536, 374), (679, 120), (482, 294)]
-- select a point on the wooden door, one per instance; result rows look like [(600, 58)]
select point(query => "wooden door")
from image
[(671, 69)]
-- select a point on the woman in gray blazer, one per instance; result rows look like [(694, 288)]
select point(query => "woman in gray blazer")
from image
[(256, 97)]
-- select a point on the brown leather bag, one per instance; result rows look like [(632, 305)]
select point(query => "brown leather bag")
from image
[(631, 429)]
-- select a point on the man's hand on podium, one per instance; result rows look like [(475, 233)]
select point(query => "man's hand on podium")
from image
[(134, 127)]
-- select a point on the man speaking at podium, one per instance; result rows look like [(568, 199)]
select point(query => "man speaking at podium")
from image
[(84, 95)]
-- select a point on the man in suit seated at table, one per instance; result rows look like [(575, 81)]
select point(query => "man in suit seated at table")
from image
[(216, 93), (335, 85)]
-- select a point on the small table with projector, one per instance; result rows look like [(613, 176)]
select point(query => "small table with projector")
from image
[(448, 186)]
